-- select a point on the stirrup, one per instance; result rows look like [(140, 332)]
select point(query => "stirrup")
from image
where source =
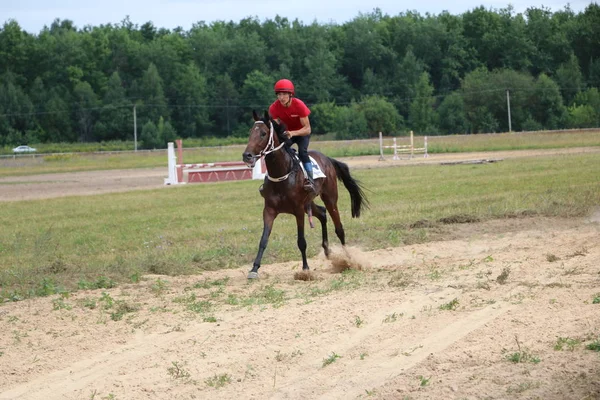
[(309, 186)]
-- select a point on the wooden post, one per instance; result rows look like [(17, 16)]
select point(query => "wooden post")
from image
[(179, 160), (412, 145), (381, 157)]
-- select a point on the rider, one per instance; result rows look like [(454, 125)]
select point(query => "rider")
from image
[(294, 114)]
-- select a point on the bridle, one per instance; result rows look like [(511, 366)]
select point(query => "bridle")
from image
[(270, 148)]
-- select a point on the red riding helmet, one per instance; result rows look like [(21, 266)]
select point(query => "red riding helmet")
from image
[(284, 85)]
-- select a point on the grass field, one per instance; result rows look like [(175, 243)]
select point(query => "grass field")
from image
[(28, 165), (62, 244)]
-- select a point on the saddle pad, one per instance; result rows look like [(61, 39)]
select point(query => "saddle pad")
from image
[(317, 172)]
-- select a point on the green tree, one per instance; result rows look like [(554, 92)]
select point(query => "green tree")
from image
[(16, 110), (166, 133), (55, 121), (257, 91), (380, 115), (85, 110), (152, 102), (323, 117), (452, 118), (150, 138), (190, 114), (582, 116), (351, 122), (422, 117), (116, 117), (546, 103), (569, 78)]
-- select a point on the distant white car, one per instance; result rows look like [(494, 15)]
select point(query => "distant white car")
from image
[(24, 149)]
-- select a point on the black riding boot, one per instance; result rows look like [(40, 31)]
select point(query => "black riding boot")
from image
[(309, 185)]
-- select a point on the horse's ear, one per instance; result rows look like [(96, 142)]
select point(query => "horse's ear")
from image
[(267, 117), (255, 115)]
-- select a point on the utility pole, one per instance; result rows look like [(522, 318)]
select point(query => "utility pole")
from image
[(508, 106), (134, 129)]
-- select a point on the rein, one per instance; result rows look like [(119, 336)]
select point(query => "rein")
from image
[(270, 148)]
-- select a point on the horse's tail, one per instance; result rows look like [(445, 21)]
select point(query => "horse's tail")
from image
[(358, 200)]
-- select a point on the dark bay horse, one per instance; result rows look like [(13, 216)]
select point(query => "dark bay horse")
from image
[(284, 190)]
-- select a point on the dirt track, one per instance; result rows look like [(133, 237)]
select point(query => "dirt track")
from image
[(429, 321), (97, 182)]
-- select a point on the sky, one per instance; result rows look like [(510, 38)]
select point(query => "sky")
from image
[(33, 15)]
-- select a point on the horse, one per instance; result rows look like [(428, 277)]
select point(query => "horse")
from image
[(284, 192)]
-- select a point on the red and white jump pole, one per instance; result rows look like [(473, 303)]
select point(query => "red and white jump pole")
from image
[(208, 172)]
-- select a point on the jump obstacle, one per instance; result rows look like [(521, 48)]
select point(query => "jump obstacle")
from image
[(180, 173), (403, 149)]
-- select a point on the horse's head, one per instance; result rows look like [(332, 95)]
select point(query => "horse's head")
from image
[(266, 135)]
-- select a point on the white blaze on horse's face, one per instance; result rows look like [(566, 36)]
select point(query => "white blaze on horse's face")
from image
[(261, 143)]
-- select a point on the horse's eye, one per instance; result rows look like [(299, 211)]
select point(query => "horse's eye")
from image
[(263, 134)]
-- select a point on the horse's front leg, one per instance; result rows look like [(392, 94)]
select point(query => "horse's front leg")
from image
[(301, 239), (269, 215)]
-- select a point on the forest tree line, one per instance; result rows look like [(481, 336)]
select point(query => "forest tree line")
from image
[(433, 74)]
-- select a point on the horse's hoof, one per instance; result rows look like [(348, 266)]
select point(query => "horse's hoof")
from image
[(252, 275)]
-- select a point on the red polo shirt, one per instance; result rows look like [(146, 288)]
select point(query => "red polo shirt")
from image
[(291, 115)]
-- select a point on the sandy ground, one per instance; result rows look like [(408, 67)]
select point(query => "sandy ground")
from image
[(441, 320)]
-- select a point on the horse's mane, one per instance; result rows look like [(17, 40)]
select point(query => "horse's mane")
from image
[(279, 129)]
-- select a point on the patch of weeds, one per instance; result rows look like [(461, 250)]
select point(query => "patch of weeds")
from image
[(47, 287), (409, 353), (594, 346), (89, 303), (568, 342), (159, 287), (572, 271), (467, 266), (423, 381), (435, 275), (596, 299), (358, 321), (135, 277), (488, 259), (370, 392), (232, 300), (331, 359), (107, 300), (503, 277), (177, 371), (189, 298), (578, 253), (551, 258), (266, 295), (201, 307), (349, 279), (208, 284), (209, 319), (459, 219), (399, 279), (558, 285), (522, 356), (59, 304), (393, 317), (101, 283), (218, 381), (522, 387), (450, 306), (122, 308), (363, 355)]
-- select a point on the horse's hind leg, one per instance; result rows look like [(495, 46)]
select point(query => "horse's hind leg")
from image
[(331, 205), (321, 213)]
